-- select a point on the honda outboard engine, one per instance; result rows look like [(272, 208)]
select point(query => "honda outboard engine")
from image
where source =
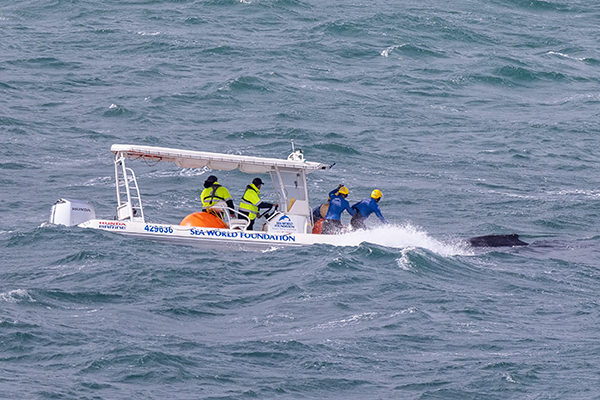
[(71, 212)]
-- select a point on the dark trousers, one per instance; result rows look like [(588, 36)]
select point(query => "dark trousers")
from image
[(251, 226), (357, 221), (332, 227)]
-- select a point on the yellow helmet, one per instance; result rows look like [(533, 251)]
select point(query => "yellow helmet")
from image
[(343, 190), (376, 194)]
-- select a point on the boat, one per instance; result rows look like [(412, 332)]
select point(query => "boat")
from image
[(290, 224)]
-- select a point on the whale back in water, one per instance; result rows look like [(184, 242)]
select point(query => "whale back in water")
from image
[(497, 241)]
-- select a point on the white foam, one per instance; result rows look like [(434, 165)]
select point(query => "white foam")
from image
[(350, 320), (406, 236), (387, 51), (15, 295), (567, 56), (403, 262), (270, 249), (101, 181)]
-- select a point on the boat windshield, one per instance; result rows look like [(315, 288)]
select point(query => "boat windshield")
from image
[(291, 190)]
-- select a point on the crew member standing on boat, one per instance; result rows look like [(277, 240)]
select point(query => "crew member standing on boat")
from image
[(365, 208), (251, 202), (320, 211), (213, 193), (333, 224)]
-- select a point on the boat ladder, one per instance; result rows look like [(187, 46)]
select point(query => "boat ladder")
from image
[(128, 193)]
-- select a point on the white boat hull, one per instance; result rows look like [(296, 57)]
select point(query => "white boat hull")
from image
[(213, 237), (289, 223)]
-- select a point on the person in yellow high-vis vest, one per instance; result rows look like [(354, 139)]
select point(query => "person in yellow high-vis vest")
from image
[(251, 203), (213, 193)]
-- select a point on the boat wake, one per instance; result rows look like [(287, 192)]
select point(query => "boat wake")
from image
[(406, 236)]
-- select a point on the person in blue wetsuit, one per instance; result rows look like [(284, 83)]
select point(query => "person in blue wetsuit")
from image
[(320, 211), (332, 224), (365, 208)]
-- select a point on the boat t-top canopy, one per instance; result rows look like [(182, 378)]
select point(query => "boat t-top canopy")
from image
[(200, 159)]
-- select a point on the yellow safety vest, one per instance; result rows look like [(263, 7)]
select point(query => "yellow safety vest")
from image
[(212, 195), (250, 201)]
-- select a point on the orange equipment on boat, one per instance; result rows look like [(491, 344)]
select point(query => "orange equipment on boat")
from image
[(318, 226), (203, 219)]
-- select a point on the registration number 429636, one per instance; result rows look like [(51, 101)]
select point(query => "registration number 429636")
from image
[(158, 229)]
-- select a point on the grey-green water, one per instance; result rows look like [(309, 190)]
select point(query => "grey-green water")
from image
[(472, 118)]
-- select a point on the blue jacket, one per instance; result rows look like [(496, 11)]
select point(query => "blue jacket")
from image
[(333, 194), (316, 212), (368, 206), (337, 205)]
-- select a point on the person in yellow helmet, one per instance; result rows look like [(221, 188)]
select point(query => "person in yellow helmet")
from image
[(251, 202), (333, 224), (213, 193), (320, 211), (365, 208)]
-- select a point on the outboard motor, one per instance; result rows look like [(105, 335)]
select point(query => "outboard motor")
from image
[(71, 212)]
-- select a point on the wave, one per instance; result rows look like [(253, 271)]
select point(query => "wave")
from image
[(336, 148), (117, 111), (406, 236), (539, 5), (15, 296), (412, 50)]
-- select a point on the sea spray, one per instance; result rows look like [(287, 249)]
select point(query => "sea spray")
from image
[(406, 235)]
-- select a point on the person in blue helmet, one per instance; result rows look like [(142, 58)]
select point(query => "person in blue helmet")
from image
[(333, 224), (365, 208)]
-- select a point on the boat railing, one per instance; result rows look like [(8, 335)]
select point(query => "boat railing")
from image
[(240, 221)]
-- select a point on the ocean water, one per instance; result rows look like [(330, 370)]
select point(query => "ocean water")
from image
[(472, 117)]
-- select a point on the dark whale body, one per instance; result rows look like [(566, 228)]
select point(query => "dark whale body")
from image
[(497, 241)]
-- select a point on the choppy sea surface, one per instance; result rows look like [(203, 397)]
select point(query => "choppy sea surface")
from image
[(472, 117)]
